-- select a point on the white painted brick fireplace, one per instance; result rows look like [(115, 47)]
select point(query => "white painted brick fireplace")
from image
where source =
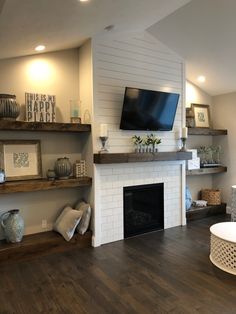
[(110, 180)]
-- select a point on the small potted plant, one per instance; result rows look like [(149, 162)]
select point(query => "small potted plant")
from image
[(147, 142), (152, 141), (138, 141)]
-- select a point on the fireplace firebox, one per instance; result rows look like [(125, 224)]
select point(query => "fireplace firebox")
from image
[(143, 209)]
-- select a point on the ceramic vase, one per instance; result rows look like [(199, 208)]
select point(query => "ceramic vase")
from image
[(63, 168), (51, 175), (9, 109), (13, 226)]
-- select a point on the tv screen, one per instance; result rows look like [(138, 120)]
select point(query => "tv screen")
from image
[(148, 110)]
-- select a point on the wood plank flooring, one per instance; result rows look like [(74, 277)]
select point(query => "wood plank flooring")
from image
[(161, 272)]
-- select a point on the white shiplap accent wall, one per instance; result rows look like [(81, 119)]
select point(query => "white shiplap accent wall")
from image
[(136, 60)]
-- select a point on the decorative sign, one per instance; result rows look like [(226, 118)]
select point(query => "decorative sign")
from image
[(40, 107)]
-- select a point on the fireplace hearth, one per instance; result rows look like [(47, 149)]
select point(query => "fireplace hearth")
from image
[(143, 209)]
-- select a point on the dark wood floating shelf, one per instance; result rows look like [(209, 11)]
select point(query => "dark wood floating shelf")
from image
[(8, 125), (196, 213), (113, 158), (201, 171), (41, 244), (43, 185), (206, 131)]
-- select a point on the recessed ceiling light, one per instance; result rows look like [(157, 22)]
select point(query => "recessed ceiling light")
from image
[(40, 48), (83, 0), (201, 79)]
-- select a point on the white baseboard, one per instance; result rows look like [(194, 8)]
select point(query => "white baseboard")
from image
[(94, 242)]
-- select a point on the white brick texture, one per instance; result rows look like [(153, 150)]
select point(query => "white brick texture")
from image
[(109, 193)]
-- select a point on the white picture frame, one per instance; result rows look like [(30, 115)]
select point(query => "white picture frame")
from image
[(21, 159)]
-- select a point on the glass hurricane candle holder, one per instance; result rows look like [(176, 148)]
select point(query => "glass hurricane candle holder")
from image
[(75, 107)]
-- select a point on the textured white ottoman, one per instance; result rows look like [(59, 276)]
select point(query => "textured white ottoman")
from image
[(233, 203), (223, 246)]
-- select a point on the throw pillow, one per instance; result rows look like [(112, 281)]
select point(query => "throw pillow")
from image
[(67, 222), (85, 220)]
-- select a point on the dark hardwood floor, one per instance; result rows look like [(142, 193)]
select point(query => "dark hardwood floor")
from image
[(160, 272)]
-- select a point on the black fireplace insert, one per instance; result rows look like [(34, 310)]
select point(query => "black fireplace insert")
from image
[(143, 209)]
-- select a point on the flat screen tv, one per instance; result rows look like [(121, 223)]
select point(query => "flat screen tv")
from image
[(148, 110)]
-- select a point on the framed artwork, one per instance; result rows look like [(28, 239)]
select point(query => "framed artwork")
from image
[(201, 115), (21, 159)]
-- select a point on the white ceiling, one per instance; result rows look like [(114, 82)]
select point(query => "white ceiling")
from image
[(201, 31), (61, 24), (204, 33)]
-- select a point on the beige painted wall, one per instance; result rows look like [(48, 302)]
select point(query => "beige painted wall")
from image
[(195, 95), (224, 114), (53, 73), (50, 73)]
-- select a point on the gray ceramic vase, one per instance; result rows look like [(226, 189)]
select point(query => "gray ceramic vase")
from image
[(9, 109), (63, 168), (13, 226)]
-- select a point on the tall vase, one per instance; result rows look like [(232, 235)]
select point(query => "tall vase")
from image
[(13, 226)]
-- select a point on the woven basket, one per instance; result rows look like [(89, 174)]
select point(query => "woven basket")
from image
[(213, 197)]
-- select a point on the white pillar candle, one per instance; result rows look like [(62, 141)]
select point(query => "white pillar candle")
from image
[(184, 132), (103, 130)]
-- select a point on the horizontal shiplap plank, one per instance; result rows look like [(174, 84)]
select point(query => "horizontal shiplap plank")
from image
[(103, 65), (128, 48), (149, 41), (144, 46), (138, 62), (117, 89), (159, 67), (133, 56), (137, 81)]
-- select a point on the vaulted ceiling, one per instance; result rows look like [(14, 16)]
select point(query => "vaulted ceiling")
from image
[(61, 24), (204, 33), (201, 31)]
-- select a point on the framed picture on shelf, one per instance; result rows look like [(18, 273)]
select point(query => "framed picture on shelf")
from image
[(201, 116), (21, 159)]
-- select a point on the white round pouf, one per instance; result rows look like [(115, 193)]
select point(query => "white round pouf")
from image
[(223, 246)]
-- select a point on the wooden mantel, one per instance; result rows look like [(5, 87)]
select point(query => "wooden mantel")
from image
[(114, 158)]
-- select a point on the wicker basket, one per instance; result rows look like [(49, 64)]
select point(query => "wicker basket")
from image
[(213, 197)]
